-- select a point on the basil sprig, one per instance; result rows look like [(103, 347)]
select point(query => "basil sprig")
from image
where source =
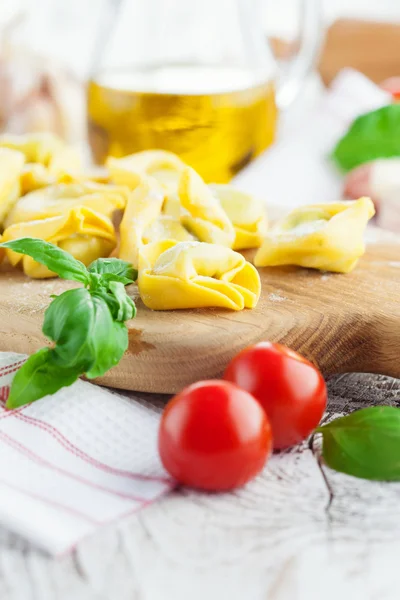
[(87, 324), (365, 443), (371, 136)]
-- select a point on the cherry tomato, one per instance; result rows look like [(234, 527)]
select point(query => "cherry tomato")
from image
[(290, 389), (392, 85), (214, 436)]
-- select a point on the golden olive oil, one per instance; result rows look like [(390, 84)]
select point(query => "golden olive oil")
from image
[(216, 120)]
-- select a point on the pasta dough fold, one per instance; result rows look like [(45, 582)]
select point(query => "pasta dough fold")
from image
[(196, 275), (11, 165), (59, 199), (321, 236), (247, 214), (82, 232)]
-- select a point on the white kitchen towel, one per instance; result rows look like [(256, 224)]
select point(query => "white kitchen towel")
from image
[(72, 462)]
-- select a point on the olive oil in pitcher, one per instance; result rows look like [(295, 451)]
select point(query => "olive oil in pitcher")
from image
[(216, 119), (195, 77)]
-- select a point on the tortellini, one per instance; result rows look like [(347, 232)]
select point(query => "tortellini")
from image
[(164, 166), (47, 149), (248, 215), (143, 221), (321, 236), (216, 214), (11, 165), (204, 216), (58, 199), (82, 232), (48, 159), (196, 275)]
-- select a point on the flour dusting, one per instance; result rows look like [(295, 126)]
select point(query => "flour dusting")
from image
[(276, 297)]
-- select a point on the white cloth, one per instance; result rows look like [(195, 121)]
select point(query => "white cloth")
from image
[(88, 456), (82, 458)]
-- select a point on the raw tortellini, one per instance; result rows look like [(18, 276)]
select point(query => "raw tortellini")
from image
[(246, 213), (164, 166), (321, 236), (204, 216), (216, 214), (11, 165), (174, 270), (196, 275), (143, 221), (82, 232), (58, 199), (48, 159), (46, 149)]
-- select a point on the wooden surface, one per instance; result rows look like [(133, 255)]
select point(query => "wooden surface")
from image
[(299, 532), (340, 322), (368, 46)]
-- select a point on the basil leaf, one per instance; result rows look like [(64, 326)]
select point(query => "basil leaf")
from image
[(69, 321), (109, 339), (38, 377), (371, 136), (114, 269), (365, 443), (127, 308), (54, 258)]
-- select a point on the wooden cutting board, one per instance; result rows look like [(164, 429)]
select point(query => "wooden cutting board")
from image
[(341, 322)]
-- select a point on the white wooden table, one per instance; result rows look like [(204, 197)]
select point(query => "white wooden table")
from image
[(299, 531)]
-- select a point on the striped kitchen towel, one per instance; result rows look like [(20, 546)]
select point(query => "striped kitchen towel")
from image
[(72, 462)]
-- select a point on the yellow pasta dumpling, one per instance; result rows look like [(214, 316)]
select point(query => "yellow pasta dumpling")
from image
[(164, 166), (247, 213), (58, 199), (203, 214), (47, 149), (166, 228), (321, 236), (35, 176), (143, 221), (196, 275), (82, 232), (11, 165)]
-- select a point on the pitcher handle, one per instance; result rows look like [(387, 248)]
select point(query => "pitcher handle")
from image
[(299, 67)]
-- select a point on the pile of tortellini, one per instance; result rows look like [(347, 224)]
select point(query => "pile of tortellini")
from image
[(182, 235)]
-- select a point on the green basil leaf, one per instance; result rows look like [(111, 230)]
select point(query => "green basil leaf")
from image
[(109, 299), (54, 258), (69, 321), (114, 269), (109, 339), (122, 308), (38, 377), (365, 443), (371, 136), (127, 308)]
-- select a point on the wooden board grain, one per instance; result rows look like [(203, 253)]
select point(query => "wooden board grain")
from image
[(370, 47), (341, 322)]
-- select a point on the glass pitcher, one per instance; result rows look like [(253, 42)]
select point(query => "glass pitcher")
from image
[(196, 77)]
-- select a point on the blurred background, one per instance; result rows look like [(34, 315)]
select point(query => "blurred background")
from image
[(69, 34), (50, 49)]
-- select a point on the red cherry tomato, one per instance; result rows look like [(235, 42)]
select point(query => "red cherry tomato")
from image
[(290, 389), (214, 436)]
